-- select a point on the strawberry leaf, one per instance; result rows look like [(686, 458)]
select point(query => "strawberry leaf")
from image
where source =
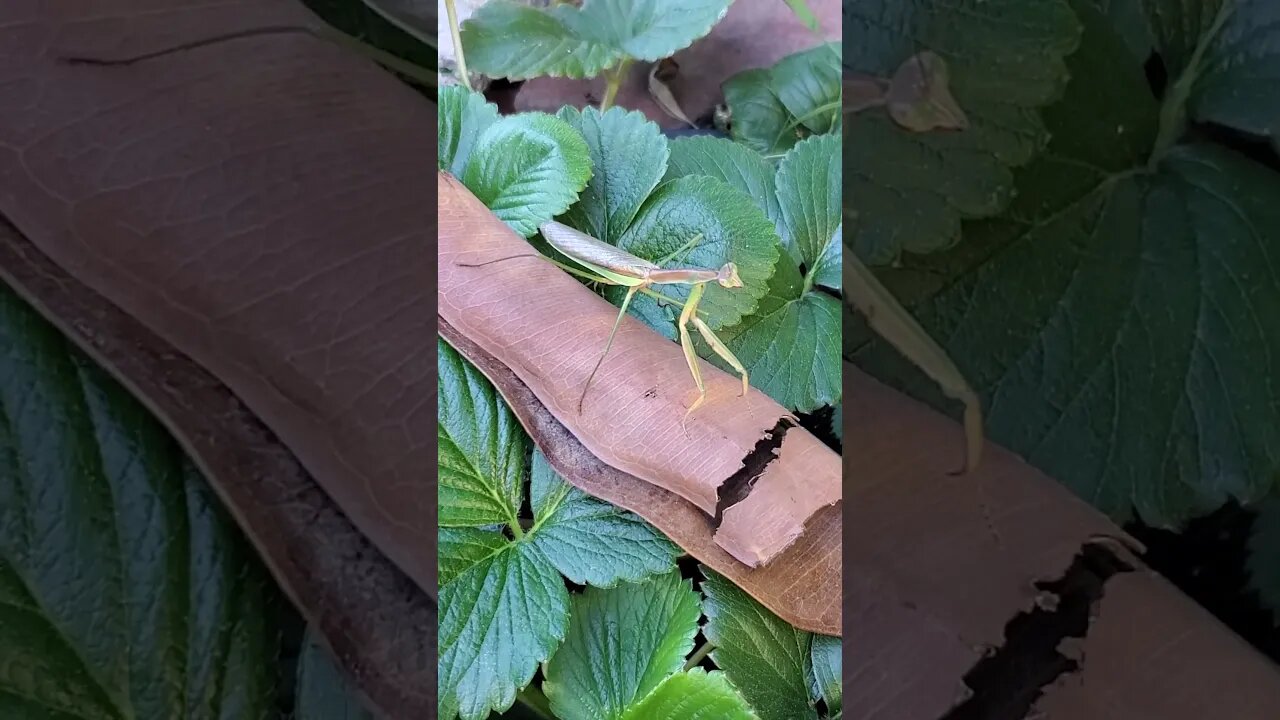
[(764, 657), (790, 344), (1138, 366), (1005, 60), (693, 695), (590, 541), (622, 643), (512, 40)]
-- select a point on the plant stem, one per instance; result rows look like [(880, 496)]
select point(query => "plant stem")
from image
[(613, 81), (459, 58), (1173, 112), (532, 698), (699, 655)]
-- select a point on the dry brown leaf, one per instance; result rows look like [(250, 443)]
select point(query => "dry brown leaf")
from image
[(930, 591), (549, 330), (659, 76), (862, 92), (919, 95), (256, 204)]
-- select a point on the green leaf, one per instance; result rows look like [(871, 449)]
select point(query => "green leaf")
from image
[(733, 229), (837, 421), (1119, 323), (507, 39), (827, 270), (826, 659), (498, 619), (734, 163), (808, 186), (511, 40), (528, 168), (1238, 82), (589, 541), (628, 157), (808, 86), (324, 692), (1264, 556), (644, 29), (764, 657), (759, 120), (693, 695), (790, 345), (621, 644), (460, 548), (482, 448), (461, 118), (125, 591), (909, 191), (1129, 21), (772, 109)]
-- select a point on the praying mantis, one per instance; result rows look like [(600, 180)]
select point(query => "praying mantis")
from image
[(612, 265)]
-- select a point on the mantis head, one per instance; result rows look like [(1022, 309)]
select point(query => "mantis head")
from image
[(728, 276)]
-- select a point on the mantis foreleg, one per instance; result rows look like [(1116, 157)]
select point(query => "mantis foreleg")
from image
[(722, 350), (686, 344)]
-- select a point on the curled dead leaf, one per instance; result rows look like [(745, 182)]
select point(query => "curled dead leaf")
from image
[(662, 73), (919, 95), (862, 91)]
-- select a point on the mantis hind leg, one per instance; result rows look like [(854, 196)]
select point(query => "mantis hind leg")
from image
[(631, 292), (722, 350)]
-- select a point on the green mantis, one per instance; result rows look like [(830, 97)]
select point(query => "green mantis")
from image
[(611, 265)]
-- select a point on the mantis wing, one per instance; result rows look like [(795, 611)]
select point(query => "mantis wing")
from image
[(598, 255)]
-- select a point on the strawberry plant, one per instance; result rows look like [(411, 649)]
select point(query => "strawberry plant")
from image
[(555, 604), (1097, 249)]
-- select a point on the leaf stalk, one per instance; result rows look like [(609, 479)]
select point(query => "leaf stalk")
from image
[(613, 81), (1173, 112), (699, 655), (459, 57), (533, 698)]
